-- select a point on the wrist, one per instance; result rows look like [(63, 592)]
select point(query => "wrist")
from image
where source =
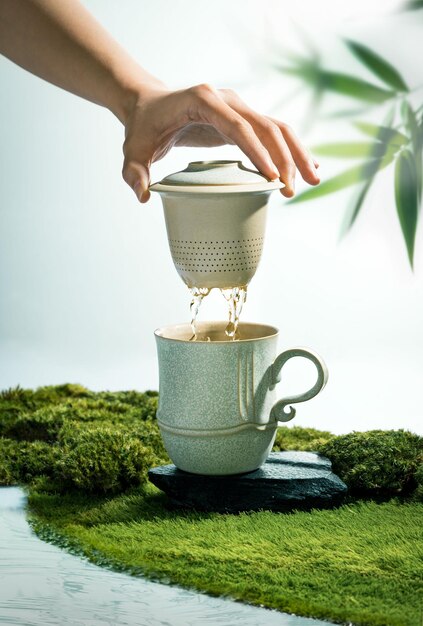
[(129, 96)]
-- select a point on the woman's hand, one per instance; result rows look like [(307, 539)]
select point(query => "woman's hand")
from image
[(63, 43), (205, 116)]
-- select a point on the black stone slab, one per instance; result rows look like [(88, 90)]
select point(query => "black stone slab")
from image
[(287, 481)]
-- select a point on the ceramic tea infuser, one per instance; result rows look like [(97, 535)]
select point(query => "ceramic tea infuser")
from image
[(215, 213)]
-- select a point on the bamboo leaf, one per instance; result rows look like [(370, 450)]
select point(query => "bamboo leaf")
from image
[(379, 66), (348, 178), (343, 84), (413, 5), (359, 201), (353, 149), (354, 87), (340, 113), (383, 133), (304, 70), (389, 118), (406, 198), (410, 121), (313, 108), (356, 205)]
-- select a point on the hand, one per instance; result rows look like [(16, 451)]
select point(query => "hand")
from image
[(205, 116), (49, 37)]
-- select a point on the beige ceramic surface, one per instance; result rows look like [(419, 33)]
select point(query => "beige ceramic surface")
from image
[(215, 213), (217, 411), (216, 177)]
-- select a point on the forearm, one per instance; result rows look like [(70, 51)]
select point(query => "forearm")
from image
[(60, 41)]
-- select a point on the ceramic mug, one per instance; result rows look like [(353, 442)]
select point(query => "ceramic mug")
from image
[(217, 412)]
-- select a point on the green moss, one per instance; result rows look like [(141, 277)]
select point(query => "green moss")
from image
[(376, 462), (23, 462), (101, 441), (8, 449), (371, 463), (101, 458), (85, 456), (40, 425), (418, 493), (361, 563), (299, 438)]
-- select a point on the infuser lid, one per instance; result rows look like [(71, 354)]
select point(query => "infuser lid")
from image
[(216, 177)]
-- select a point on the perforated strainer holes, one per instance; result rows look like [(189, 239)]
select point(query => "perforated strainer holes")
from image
[(216, 256)]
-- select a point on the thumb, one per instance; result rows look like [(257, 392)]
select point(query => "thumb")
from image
[(137, 175)]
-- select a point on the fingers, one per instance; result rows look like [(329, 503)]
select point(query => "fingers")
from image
[(209, 107), (303, 160), (187, 117), (138, 177), (271, 137), (284, 147)]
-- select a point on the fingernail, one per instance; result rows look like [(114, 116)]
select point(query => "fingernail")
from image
[(145, 196), (315, 173)]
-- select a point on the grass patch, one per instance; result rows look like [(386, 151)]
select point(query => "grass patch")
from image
[(84, 456), (361, 563)]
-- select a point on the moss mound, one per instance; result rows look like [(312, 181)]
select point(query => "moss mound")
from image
[(25, 462), (69, 438), (376, 462), (101, 457), (372, 463)]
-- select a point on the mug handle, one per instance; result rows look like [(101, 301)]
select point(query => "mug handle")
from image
[(278, 413)]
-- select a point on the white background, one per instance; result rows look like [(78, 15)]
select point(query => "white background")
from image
[(85, 271)]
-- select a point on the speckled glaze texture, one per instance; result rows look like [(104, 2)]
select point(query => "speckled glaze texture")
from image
[(217, 411)]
